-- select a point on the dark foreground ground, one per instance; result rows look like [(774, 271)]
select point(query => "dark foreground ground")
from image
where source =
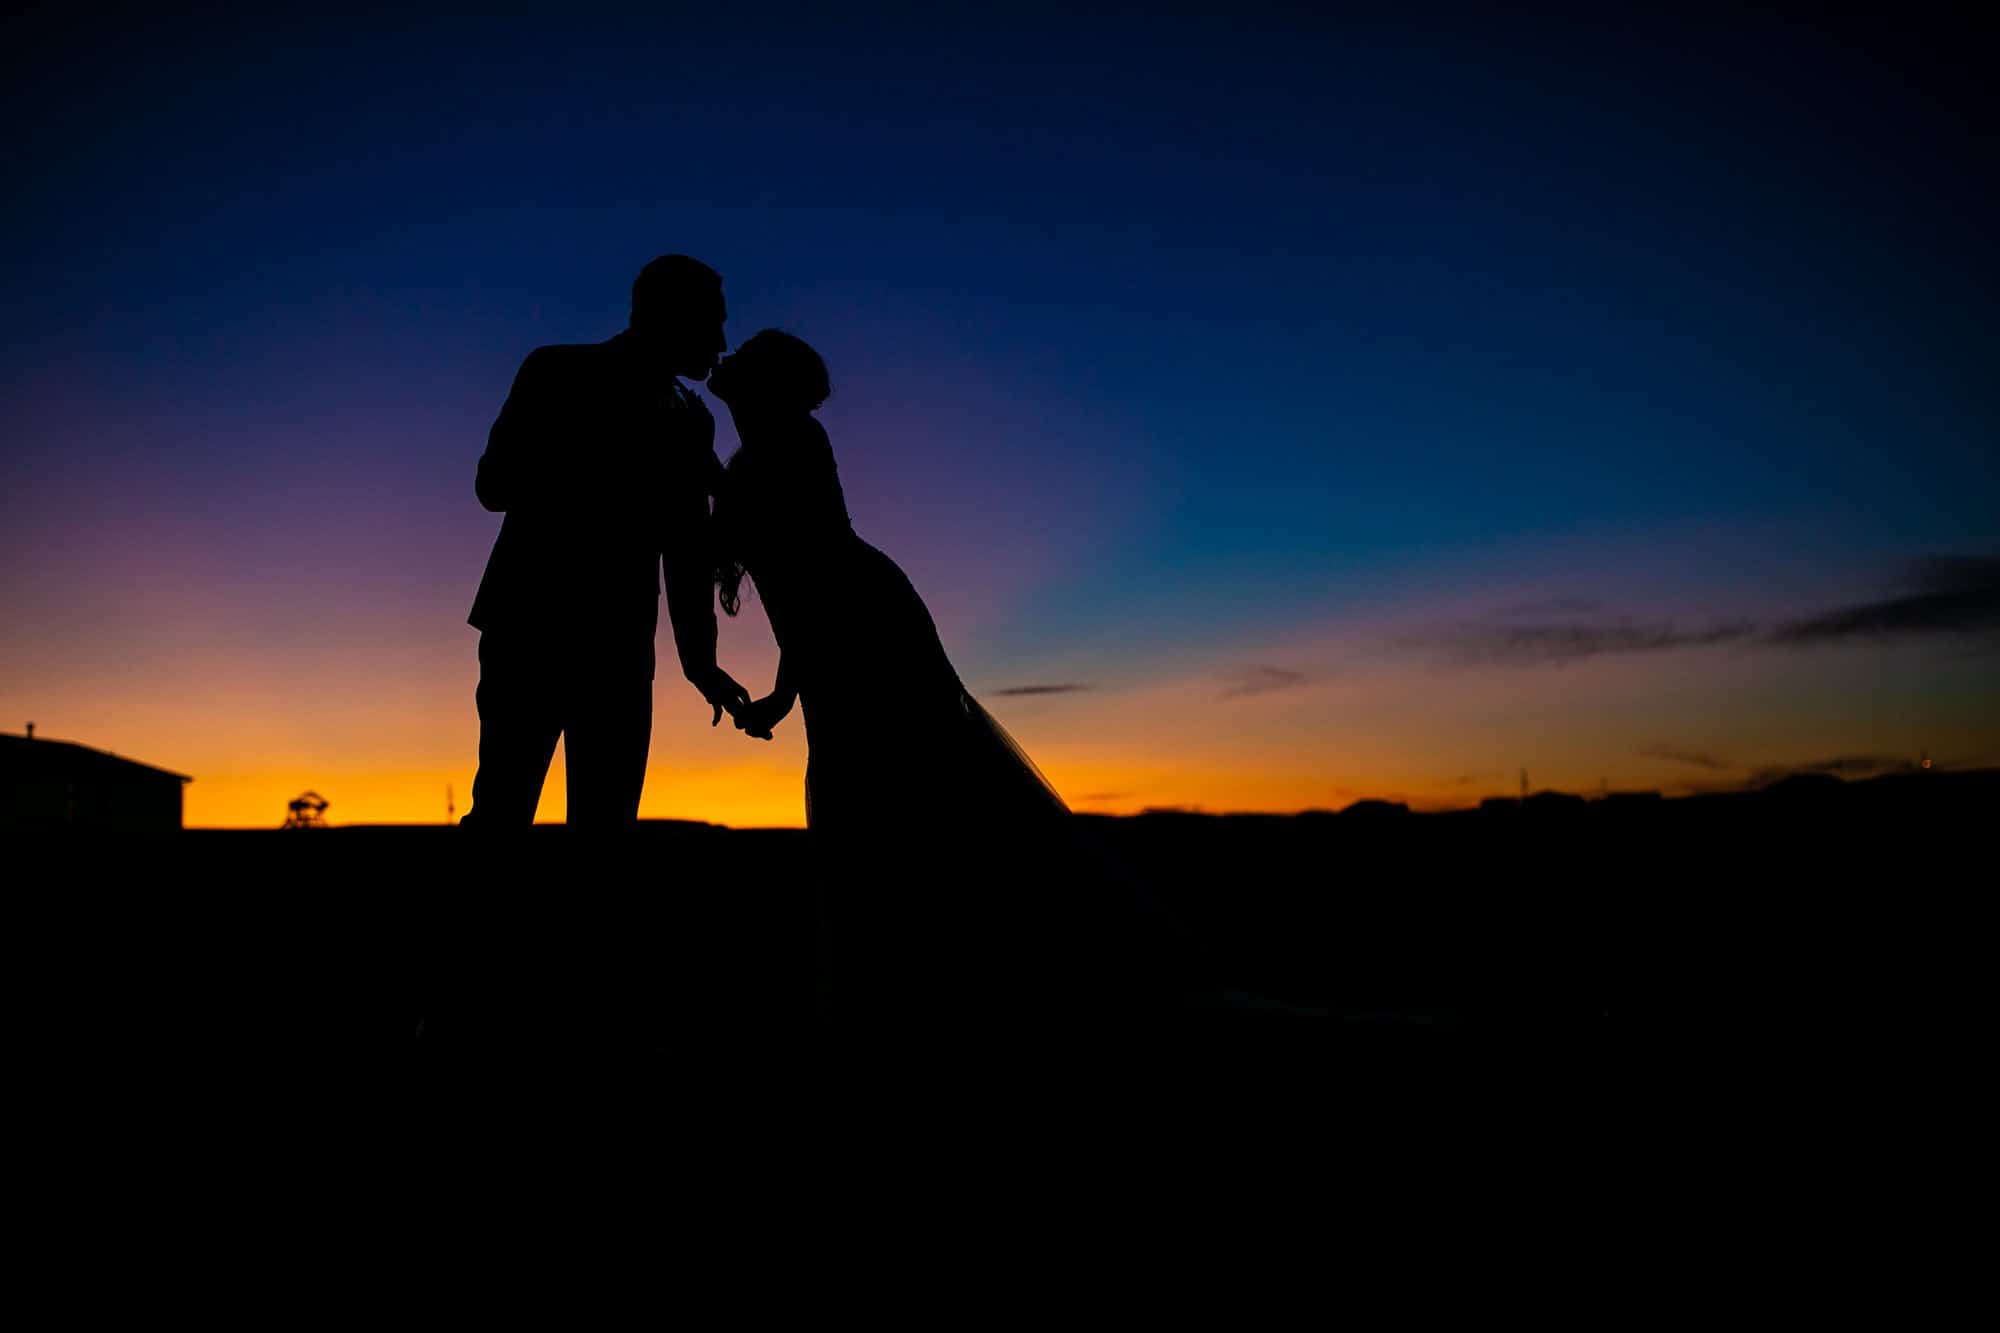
[(1554, 955)]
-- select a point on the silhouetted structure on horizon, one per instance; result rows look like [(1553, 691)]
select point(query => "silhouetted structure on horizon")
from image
[(306, 810), (49, 786)]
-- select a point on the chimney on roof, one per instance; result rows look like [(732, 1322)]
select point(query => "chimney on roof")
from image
[(31, 731)]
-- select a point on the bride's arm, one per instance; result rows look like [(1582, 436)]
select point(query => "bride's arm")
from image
[(763, 714)]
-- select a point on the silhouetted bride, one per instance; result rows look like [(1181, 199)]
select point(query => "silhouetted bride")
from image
[(957, 883)]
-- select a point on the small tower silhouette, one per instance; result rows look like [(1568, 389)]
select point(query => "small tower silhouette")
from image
[(306, 810)]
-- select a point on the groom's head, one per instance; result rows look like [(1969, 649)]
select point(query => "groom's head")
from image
[(677, 311)]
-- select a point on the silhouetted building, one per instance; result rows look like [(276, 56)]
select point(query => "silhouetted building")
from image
[(52, 785)]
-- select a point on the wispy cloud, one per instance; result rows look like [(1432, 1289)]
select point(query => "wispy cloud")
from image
[(1956, 594), (1943, 595), (1066, 688), (1843, 766), (1555, 606), (1261, 679), (1555, 644), (1698, 758), (1106, 796)]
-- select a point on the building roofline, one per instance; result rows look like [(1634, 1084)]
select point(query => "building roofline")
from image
[(93, 750)]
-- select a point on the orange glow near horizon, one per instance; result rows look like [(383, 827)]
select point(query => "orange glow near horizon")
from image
[(1434, 740), (380, 719)]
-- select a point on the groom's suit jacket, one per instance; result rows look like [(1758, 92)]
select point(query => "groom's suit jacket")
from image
[(603, 466)]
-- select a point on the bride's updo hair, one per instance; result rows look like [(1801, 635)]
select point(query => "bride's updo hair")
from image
[(772, 370)]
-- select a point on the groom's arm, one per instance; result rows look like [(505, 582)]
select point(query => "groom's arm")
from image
[(516, 443), (687, 553), (690, 581), (689, 573)]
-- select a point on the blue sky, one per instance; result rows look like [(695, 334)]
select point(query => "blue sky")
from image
[(1155, 339)]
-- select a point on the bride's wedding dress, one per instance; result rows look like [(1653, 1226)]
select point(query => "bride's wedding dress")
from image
[(957, 885)]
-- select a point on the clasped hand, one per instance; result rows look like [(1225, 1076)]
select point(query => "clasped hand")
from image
[(758, 717), (752, 717)]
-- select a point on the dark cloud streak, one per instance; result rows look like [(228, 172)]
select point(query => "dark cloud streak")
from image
[(1556, 606), (1948, 595), (1698, 758), (1545, 645), (1262, 679), (1842, 766)]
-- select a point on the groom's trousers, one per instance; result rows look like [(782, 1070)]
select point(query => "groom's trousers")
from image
[(597, 698)]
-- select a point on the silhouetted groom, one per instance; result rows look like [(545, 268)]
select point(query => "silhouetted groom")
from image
[(603, 463)]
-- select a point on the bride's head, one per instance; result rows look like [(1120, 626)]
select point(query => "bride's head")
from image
[(772, 373), (771, 380)]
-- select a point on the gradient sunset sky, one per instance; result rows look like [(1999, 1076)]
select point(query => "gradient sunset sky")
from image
[(1274, 410)]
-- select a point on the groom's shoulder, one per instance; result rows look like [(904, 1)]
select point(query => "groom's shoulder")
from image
[(566, 354), (562, 361)]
